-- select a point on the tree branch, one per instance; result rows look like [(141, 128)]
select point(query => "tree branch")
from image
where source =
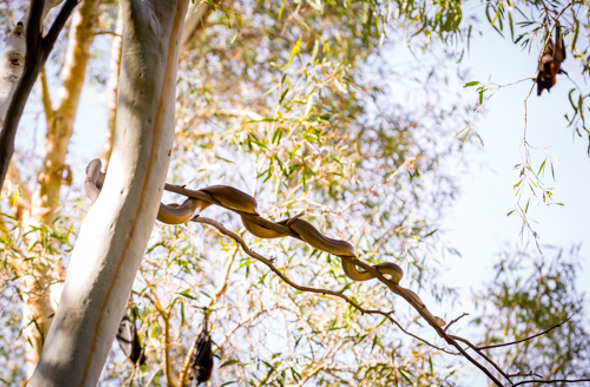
[(165, 314), (554, 381), (184, 371), (270, 265), (526, 338), (37, 51), (45, 97)]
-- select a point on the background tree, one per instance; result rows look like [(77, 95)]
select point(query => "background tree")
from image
[(295, 96)]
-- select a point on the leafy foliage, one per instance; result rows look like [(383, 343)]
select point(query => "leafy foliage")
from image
[(533, 294)]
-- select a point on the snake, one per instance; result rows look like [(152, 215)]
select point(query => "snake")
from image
[(246, 206)]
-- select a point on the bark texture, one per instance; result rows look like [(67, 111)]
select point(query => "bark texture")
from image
[(116, 230)]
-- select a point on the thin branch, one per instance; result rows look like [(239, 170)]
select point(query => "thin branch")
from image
[(56, 27), (107, 32), (455, 320), (273, 268), (183, 377), (165, 314), (45, 96), (554, 381), (480, 353), (184, 371), (245, 321), (527, 338)]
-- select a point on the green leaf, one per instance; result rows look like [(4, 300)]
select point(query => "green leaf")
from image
[(511, 24), (471, 84), (280, 15), (229, 362), (541, 167), (186, 293), (295, 49)]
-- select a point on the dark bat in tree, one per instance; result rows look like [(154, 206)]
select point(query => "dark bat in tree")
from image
[(550, 62), (129, 341), (202, 359)]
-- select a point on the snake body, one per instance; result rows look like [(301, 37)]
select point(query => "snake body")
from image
[(180, 213), (222, 195), (309, 234), (246, 206)]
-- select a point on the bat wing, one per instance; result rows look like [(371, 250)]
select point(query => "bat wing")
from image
[(125, 336), (202, 359), (129, 341), (559, 50)]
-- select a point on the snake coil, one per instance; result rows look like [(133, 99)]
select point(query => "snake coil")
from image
[(246, 206)]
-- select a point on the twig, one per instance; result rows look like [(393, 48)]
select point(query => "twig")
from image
[(554, 381), (183, 376), (455, 320), (165, 314), (526, 338), (480, 353), (273, 268)]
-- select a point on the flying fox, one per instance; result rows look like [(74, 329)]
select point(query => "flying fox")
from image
[(550, 62)]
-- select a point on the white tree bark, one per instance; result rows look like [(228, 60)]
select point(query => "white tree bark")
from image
[(116, 230), (194, 23), (12, 64), (12, 61)]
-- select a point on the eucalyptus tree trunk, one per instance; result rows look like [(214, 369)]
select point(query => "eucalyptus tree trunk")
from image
[(115, 232)]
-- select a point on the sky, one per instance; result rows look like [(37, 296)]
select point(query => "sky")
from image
[(477, 225)]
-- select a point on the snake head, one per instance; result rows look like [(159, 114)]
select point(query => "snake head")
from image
[(441, 323)]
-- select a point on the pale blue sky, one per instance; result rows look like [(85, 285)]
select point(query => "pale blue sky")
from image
[(478, 226)]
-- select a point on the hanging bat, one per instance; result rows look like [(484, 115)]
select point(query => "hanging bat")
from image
[(129, 341), (550, 63), (202, 360)]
